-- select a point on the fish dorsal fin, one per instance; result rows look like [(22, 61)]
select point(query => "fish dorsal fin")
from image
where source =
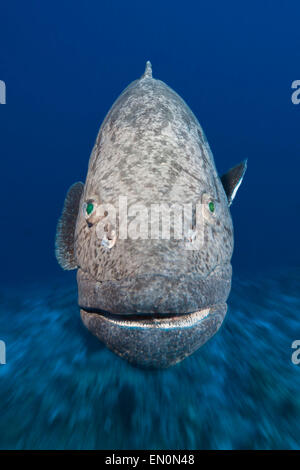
[(232, 180), (148, 70), (65, 232)]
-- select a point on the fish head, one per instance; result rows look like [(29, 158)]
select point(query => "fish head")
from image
[(153, 235)]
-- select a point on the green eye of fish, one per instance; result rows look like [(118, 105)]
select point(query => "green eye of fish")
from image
[(211, 206), (89, 208)]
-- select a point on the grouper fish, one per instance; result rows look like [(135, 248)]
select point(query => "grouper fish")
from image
[(150, 231)]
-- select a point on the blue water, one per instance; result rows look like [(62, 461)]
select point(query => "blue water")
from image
[(64, 63), (61, 389)]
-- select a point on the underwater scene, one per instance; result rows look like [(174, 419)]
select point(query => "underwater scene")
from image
[(62, 389), (73, 290)]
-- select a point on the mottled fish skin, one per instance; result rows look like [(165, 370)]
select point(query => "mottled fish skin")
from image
[(152, 149)]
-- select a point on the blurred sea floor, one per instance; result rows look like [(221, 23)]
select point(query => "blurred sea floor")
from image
[(62, 389)]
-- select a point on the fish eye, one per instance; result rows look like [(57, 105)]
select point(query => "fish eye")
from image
[(211, 206), (89, 208)]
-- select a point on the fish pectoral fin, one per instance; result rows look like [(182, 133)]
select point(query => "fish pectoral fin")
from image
[(232, 180), (65, 232)]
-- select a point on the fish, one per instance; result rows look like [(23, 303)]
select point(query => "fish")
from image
[(150, 231)]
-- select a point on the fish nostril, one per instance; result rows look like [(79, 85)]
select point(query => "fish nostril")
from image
[(191, 235), (110, 237)]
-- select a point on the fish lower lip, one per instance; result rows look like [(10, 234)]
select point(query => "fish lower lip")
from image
[(155, 342)]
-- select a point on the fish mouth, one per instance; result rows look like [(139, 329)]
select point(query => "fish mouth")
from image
[(151, 320), (155, 341), (154, 320)]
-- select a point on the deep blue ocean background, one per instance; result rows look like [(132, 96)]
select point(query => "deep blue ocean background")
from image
[(64, 63)]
